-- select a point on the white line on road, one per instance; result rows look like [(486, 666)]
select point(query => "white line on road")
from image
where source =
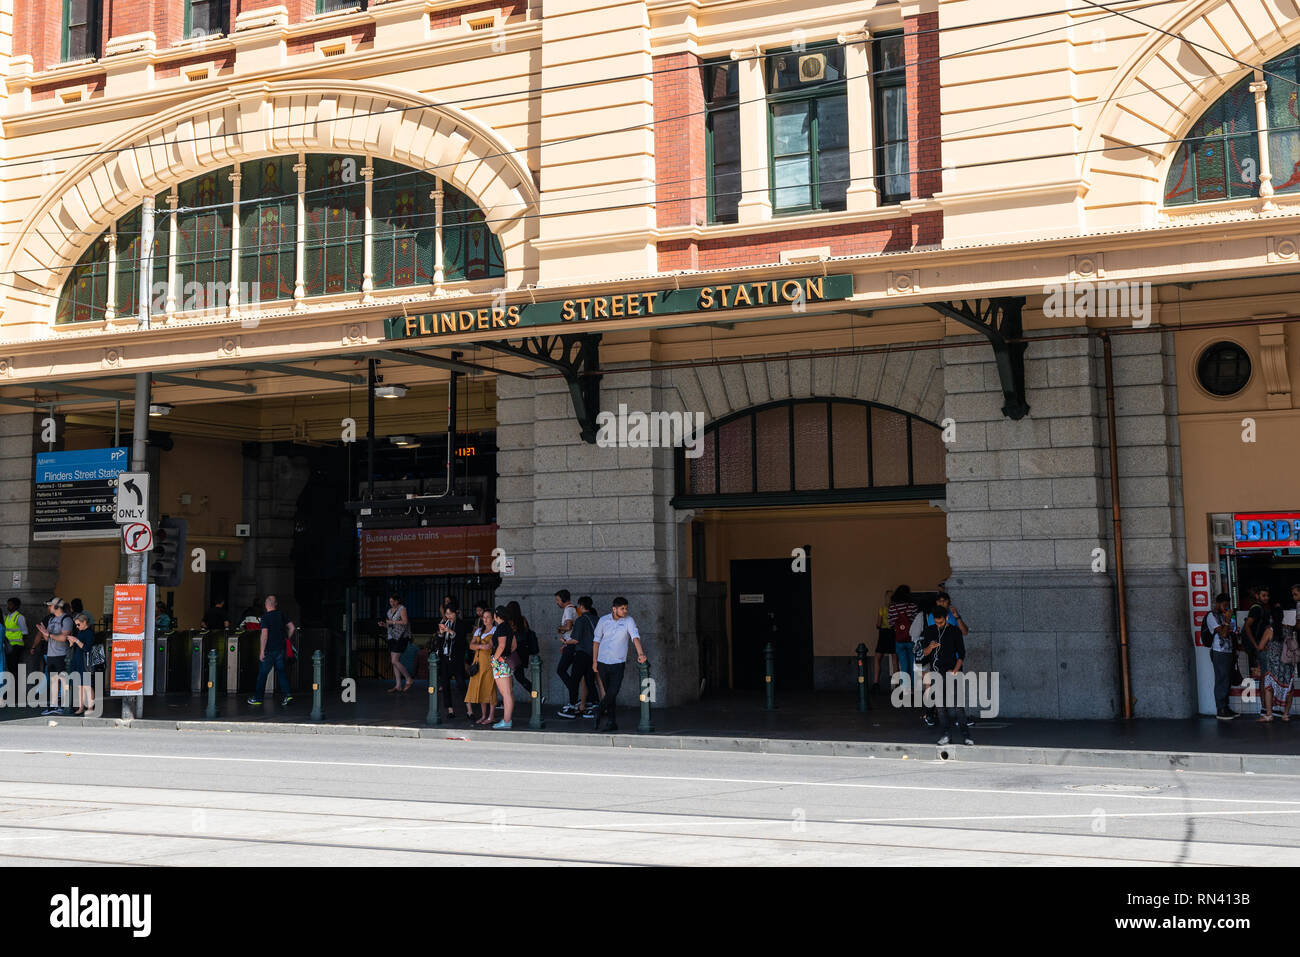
[(645, 777), (1043, 817)]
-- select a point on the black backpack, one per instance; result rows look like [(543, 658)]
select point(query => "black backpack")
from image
[(1207, 636), (529, 644)]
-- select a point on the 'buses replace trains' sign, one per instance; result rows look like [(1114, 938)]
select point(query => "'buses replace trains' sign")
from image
[(1266, 530), (623, 305)]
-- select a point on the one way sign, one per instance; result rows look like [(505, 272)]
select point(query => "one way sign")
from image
[(132, 503)]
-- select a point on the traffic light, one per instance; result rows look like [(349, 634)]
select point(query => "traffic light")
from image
[(168, 553)]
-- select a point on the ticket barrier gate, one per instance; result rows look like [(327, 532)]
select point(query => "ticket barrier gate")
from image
[(169, 662)]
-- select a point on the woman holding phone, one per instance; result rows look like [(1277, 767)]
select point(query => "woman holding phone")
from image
[(481, 689)]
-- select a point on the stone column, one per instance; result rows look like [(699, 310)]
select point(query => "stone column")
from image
[(1028, 508), (368, 254), (300, 244), (862, 193), (232, 300), (595, 521), (756, 201), (37, 563)]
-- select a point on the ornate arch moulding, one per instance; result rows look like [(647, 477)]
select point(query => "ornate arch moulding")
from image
[(259, 119), (1166, 85)]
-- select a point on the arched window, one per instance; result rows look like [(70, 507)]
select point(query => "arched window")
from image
[(1219, 159), (808, 451), (196, 269)]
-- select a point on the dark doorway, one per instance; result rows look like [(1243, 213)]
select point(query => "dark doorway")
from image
[(770, 602), (218, 585)]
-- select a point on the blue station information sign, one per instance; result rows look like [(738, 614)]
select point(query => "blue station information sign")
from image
[(74, 494)]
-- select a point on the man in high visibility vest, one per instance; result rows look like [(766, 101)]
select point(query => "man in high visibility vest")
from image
[(15, 638)]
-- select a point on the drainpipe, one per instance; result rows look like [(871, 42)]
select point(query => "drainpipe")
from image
[(451, 430), (1118, 527)]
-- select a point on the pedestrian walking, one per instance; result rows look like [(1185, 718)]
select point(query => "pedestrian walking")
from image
[(481, 689), (276, 635), (14, 646), (451, 647), (1278, 666), (609, 642), (1219, 631), (398, 625), (55, 631), (944, 638), (942, 607), (81, 674), (902, 612), (885, 653), (580, 679), (570, 674), (505, 661)]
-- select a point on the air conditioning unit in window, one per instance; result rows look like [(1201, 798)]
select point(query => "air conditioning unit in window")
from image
[(812, 67)]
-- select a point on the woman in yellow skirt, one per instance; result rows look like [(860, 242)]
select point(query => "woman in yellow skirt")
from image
[(482, 689)]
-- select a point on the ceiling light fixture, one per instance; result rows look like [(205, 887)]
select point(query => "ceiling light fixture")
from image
[(405, 441), (390, 391), (159, 410)]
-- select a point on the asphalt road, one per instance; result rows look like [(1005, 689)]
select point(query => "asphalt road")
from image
[(118, 796)]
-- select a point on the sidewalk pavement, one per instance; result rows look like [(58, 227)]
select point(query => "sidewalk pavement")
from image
[(824, 724)]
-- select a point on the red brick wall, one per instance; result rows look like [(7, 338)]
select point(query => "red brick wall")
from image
[(173, 68), (843, 239), (921, 49), (451, 17), (679, 143), (362, 35), (46, 91), (38, 31)]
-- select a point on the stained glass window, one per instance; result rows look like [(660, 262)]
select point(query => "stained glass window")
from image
[(128, 260), (334, 255), (268, 214), (85, 291), (203, 242), (1282, 75), (403, 236)]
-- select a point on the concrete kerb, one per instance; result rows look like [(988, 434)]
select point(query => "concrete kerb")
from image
[(1056, 757)]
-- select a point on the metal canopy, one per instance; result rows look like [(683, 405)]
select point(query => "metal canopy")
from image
[(286, 369), (203, 384), (413, 357), (87, 390)]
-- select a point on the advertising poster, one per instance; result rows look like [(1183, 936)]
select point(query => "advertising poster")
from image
[(397, 552), (132, 629), (1199, 602)]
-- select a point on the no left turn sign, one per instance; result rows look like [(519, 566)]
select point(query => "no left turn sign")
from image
[(137, 537)]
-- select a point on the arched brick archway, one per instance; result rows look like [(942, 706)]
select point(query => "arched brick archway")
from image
[(271, 119), (1167, 84)]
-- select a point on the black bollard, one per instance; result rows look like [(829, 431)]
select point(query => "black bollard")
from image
[(317, 659), (212, 685), (434, 717), (535, 666), (647, 693), (861, 651), (769, 655)]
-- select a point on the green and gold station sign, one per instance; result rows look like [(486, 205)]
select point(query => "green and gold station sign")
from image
[(793, 293)]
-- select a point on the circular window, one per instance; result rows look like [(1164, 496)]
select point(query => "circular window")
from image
[(1223, 369)]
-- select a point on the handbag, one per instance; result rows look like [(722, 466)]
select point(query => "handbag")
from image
[(96, 655), (1290, 650), (473, 669)]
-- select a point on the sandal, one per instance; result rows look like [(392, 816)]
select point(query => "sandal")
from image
[(1262, 720), (394, 689)]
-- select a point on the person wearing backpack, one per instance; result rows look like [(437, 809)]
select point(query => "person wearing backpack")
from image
[(1219, 634), (55, 631), (902, 612)]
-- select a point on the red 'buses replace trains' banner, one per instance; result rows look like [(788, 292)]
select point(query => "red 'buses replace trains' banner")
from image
[(406, 552)]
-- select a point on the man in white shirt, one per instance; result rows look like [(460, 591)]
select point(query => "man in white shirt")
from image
[(1221, 623), (613, 632)]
